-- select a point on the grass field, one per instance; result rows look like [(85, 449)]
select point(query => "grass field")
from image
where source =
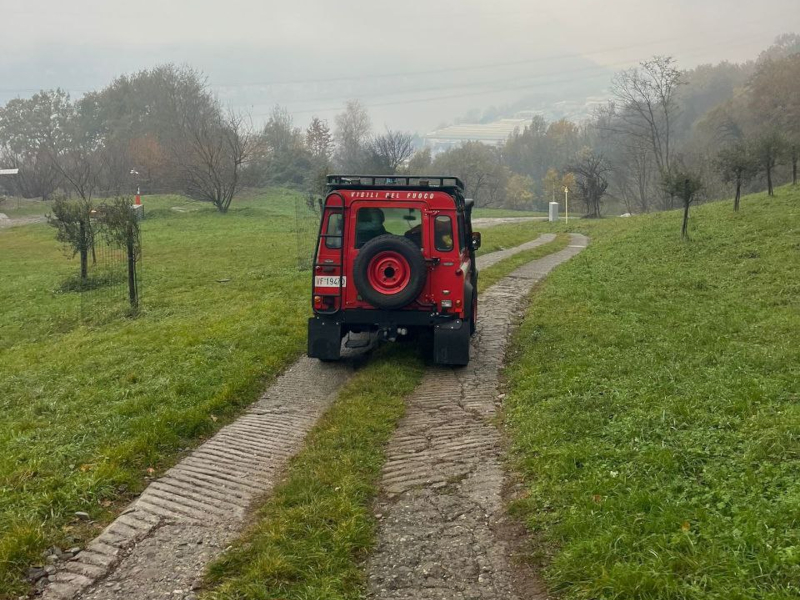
[(654, 408), (484, 213), (94, 408)]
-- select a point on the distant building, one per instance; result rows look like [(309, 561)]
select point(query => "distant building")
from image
[(492, 134)]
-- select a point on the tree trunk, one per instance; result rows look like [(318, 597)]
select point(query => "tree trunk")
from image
[(685, 226), (770, 191), (738, 193), (686, 201), (794, 167), (133, 292), (84, 252)]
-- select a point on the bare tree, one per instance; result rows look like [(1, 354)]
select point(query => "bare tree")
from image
[(389, 151), (353, 127), (647, 105), (591, 171), (211, 154)]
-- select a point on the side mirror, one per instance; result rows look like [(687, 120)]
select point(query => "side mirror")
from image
[(476, 240)]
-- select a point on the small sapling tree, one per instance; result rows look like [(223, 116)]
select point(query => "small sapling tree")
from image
[(737, 165), (119, 225), (685, 184), (73, 229)]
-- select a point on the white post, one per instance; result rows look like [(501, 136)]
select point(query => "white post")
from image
[(566, 203)]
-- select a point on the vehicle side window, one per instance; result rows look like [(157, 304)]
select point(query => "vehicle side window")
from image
[(443, 233), (334, 228)]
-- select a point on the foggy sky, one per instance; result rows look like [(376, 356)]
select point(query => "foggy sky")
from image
[(415, 63)]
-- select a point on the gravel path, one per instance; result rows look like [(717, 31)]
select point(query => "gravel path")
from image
[(6, 222), (160, 546), (441, 509)]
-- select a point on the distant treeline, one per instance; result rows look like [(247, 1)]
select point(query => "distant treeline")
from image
[(735, 126)]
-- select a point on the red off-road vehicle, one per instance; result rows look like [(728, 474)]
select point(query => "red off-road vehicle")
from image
[(395, 255)]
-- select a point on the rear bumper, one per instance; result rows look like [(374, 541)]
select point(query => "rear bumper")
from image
[(379, 319)]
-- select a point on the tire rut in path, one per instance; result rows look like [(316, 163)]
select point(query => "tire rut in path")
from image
[(162, 542), (441, 501)]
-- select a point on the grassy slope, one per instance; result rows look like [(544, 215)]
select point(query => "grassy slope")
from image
[(655, 407), (89, 407)]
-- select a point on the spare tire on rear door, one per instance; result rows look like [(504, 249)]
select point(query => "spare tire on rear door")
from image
[(389, 271)]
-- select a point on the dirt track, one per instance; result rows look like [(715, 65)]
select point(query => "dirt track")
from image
[(160, 545), (442, 508)]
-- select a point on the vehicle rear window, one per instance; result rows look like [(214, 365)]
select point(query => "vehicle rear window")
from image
[(443, 233), (372, 222), (334, 228)]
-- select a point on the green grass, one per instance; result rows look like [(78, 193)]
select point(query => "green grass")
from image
[(483, 213), (488, 277), (313, 534), (654, 408), (91, 405), (502, 237)]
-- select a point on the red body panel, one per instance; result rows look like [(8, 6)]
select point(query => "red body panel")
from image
[(447, 270)]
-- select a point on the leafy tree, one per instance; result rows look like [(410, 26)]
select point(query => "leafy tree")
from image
[(519, 191), (479, 167), (31, 131), (420, 163), (590, 171), (71, 219), (736, 165), (319, 139), (686, 184), (551, 184)]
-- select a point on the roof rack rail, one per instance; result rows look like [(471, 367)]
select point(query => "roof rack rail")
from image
[(415, 181)]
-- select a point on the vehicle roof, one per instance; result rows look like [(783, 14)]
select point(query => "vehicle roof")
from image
[(445, 183)]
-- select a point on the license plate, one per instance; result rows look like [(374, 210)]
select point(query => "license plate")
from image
[(324, 281)]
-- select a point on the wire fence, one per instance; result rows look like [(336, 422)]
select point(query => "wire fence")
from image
[(306, 226), (113, 285)]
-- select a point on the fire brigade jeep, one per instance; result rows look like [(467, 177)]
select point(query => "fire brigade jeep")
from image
[(395, 256)]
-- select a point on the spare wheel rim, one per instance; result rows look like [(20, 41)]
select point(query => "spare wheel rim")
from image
[(389, 272)]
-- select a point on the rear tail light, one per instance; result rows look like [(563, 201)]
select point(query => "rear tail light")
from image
[(324, 302)]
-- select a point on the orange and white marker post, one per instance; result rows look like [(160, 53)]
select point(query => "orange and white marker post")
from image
[(138, 200), (566, 203)]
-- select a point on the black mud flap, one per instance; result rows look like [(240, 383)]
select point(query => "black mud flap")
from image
[(324, 339), (451, 343)]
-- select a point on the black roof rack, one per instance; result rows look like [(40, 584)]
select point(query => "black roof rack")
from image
[(416, 182)]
